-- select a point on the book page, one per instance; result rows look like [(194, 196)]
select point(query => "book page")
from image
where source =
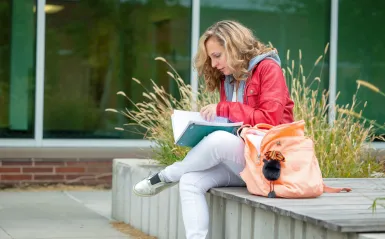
[(196, 116), (180, 120), (178, 126)]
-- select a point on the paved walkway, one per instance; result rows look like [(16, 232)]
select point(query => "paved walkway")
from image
[(57, 215)]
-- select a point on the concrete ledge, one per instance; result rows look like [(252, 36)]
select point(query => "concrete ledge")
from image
[(234, 213), (159, 216)]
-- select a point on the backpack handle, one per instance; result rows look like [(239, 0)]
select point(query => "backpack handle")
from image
[(260, 126), (241, 128), (263, 126)]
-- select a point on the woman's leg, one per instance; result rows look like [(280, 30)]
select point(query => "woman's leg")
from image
[(217, 147), (193, 187)]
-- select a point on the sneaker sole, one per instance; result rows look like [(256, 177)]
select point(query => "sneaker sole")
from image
[(146, 195)]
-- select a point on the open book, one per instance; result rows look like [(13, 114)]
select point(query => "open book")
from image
[(189, 127)]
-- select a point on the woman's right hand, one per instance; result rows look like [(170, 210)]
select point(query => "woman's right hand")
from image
[(209, 112)]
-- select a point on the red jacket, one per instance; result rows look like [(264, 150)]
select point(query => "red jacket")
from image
[(266, 98)]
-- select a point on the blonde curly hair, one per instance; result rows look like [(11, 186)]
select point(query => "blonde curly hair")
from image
[(240, 47)]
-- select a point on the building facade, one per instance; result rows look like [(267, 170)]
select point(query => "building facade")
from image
[(62, 62)]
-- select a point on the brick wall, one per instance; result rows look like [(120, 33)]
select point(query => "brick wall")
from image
[(66, 171)]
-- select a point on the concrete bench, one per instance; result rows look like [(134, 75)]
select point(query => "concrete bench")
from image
[(234, 213)]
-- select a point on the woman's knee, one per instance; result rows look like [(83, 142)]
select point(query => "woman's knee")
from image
[(193, 182), (221, 138)]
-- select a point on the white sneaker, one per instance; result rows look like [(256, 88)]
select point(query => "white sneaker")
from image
[(145, 188)]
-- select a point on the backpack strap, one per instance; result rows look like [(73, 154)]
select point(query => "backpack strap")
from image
[(239, 131), (328, 189)]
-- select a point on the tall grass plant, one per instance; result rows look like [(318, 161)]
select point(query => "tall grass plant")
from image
[(343, 144), (154, 114)]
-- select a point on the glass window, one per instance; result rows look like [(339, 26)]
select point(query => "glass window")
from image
[(288, 24), (361, 54), (17, 68), (95, 47)]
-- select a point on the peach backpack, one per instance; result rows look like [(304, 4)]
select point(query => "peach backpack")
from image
[(281, 162)]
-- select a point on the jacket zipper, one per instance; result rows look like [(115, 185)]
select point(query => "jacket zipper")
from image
[(247, 85)]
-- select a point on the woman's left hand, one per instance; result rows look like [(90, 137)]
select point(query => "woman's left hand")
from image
[(209, 112)]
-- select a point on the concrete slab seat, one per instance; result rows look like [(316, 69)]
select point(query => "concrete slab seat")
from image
[(234, 213)]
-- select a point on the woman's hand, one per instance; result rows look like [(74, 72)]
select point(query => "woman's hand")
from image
[(209, 112)]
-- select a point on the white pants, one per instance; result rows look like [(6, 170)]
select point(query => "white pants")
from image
[(215, 162)]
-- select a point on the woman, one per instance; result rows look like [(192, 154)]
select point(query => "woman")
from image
[(252, 90)]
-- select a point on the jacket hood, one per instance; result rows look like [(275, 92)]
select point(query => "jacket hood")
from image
[(229, 88), (271, 54)]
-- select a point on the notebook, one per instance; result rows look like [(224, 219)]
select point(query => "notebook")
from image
[(189, 128)]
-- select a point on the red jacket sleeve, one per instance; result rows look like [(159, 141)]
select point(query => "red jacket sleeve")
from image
[(272, 99)]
